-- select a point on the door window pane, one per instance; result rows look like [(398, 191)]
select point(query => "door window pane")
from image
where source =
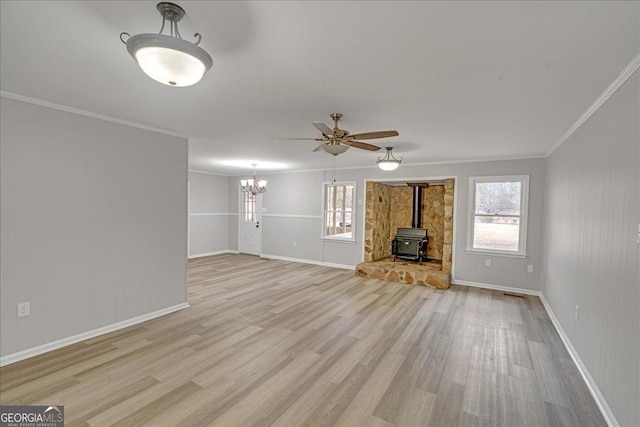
[(248, 207)]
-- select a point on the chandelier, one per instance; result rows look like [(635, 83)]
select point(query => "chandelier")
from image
[(253, 186), (169, 59), (388, 162)]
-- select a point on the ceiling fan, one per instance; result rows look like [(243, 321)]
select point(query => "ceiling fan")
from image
[(336, 141)]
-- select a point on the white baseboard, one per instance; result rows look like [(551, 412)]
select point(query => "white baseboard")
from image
[(309, 261), (225, 251), (25, 354), (496, 287), (591, 384), (606, 411)]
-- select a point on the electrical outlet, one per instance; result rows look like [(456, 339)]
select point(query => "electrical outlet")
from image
[(295, 243), (529, 268), (487, 262), (577, 312), (264, 210), (24, 309)]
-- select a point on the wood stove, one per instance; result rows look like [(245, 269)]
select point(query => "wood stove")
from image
[(410, 244)]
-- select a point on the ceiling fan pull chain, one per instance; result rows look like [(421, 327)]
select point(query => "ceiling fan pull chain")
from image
[(333, 169)]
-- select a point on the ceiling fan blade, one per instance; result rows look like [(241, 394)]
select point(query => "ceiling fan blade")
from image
[(303, 139), (363, 145), (374, 135), (326, 130)]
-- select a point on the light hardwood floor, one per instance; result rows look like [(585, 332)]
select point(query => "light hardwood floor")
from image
[(269, 342)]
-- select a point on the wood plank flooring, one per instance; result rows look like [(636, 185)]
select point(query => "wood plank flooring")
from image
[(268, 342)]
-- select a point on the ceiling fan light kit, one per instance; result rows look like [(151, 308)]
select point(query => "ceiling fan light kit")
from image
[(336, 141), (335, 149), (253, 186), (389, 162), (169, 59)]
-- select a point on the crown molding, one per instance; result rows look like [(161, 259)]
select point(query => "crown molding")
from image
[(85, 113), (631, 68), (443, 162), (208, 173)]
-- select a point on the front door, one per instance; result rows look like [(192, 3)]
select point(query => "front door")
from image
[(249, 228)]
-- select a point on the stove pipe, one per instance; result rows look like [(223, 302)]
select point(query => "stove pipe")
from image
[(416, 212)]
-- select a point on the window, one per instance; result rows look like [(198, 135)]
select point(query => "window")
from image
[(248, 207), (339, 218), (498, 214)]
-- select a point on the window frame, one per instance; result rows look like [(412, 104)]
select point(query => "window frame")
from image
[(524, 209), (354, 200)]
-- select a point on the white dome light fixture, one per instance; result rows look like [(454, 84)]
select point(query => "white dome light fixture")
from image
[(388, 162), (169, 59)]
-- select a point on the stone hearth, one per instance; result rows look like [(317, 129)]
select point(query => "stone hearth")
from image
[(389, 207), (427, 274)]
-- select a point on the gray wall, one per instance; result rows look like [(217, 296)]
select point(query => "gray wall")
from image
[(293, 206), (208, 214), (294, 213), (592, 258), (93, 223)]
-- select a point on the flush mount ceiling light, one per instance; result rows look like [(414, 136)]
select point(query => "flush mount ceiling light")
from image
[(253, 186), (169, 59), (388, 162)]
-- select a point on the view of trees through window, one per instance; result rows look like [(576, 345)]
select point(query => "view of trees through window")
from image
[(338, 211), (498, 198), (497, 215)]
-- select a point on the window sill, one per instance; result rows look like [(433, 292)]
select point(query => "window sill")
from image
[(496, 253), (334, 240)]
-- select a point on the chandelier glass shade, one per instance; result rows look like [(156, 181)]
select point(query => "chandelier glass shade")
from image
[(388, 162), (169, 59), (253, 186)]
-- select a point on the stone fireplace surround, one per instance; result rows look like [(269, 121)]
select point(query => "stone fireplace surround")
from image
[(389, 207)]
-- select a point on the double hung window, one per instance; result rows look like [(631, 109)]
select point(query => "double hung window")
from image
[(339, 216), (498, 214)]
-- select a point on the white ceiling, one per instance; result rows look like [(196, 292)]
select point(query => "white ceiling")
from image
[(458, 80)]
